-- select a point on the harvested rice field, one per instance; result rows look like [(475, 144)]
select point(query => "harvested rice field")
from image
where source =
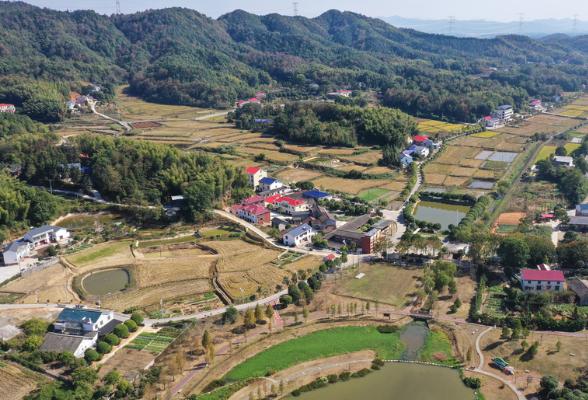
[(270, 155), (229, 247), (396, 186), (486, 174), (337, 151), (254, 259), (164, 271), (487, 134), (435, 179), (297, 175), (371, 157), (347, 168), (456, 181), (471, 162), (435, 168), (304, 263), (380, 170), (351, 186), (461, 171)]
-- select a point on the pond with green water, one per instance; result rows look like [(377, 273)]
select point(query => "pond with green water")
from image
[(442, 213), (107, 282)]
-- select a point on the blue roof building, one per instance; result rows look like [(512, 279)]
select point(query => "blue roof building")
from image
[(318, 195), (268, 181)]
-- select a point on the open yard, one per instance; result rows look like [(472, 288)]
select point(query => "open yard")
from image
[(383, 282), (50, 283), (297, 175), (170, 270), (320, 344)]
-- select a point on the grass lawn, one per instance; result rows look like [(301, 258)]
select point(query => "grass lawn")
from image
[(388, 284), (321, 344), (372, 194), (580, 135), (215, 232), (101, 251), (179, 239), (437, 349)]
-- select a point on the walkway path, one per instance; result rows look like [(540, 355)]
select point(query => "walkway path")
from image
[(122, 123)]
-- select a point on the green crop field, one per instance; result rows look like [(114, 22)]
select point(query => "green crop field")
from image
[(570, 147), (545, 152), (101, 251), (321, 344), (215, 232), (372, 194), (506, 228)]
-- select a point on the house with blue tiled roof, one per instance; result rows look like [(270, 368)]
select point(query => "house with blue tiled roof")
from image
[(267, 184)]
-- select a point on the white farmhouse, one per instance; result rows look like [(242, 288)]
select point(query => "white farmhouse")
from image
[(46, 234), (16, 251), (298, 235), (533, 280), (267, 184)]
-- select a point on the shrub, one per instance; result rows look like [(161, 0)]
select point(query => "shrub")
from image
[(361, 373), (103, 348), (92, 355), (132, 325), (217, 383), (332, 378), (344, 376), (230, 316), (296, 392), (387, 328), (472, 383), (138, 318), (286, 300), (111, 339), (121, 330)]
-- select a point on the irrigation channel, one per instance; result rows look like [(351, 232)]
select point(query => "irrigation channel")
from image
[(102, 283), (401, 380), (445, 214)]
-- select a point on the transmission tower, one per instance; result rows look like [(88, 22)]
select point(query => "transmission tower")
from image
[(451, 21), (118, 6), (521, 23), (295, 9), (575, 24)]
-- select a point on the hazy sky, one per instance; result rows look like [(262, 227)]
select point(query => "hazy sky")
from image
[(495, 10)]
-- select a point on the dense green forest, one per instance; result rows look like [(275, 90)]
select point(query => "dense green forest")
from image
[(180, 56), (330, 124), (122, 170)]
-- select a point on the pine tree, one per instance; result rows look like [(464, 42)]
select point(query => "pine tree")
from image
[(206, 339), (269, 313), (212, 352), (249, 319)]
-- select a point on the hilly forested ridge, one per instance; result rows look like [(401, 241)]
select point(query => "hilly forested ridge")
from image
[(179, 56)]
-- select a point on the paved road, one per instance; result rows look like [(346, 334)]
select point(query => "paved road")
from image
[(122, 123)]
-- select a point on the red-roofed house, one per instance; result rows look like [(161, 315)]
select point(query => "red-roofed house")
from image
[(329, 257), (259, 95), (420, 139), (289, 205), (254, 214), (272, 199), (255, 175), (533, 280), (252, 200), (7, 108), (241, 103), (254, 101)]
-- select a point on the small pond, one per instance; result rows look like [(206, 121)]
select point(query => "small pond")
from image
[(102, 283), (85, 221), (414, 335), (442, 213), (398, 381)]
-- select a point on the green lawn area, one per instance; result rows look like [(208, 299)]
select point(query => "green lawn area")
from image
[(383, 282), (101, 251), (437, 349), (578, 134), (179, 239), (215, 232), (506, 228), (545, 152), (496, 164), (372, 194), (316, 345)]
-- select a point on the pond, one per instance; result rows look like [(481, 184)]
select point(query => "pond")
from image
[(414, 335), (107, 282), (398, 381), (84, 221), (444, 214)]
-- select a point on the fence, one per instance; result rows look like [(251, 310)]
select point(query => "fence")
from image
[(39, 267)]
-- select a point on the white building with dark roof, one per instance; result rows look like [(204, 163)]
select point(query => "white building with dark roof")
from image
[(75, 344), (46, 234), (16, 251)]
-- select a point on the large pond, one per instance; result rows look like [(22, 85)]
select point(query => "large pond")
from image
[(398, 381), (444, 214), (84, 221), (102, 283)]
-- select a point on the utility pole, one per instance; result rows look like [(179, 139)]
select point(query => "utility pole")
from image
[(118, 7), (295, 9), (521, 23), (51, 186), (575, 24), (451, 21)]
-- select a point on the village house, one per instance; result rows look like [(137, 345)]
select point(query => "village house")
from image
[(503, 113), (254, 101), (279, 223), (563, 160), (580, 287), (365, 242), (46, 234), (317, 195), (542, 280), (405, 157), (342, 92), (281, 190), (79, 321), (75, 344), (289, 205), (255, 214), (419, 140), (298, 235), (581, 209), (255, 175), (252, 200), (7, 108), (266, 184), (15, 251), (260, 95), (420, 150)]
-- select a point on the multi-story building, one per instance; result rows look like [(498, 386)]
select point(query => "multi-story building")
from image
[(266, 184), (7, 108), (503, 113), (255, 214), (298, 235), (533, 280), (46, 234), (255, 175), (16, 251)]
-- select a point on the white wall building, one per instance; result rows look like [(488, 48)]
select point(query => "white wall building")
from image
[(298, 235), (533, 280), (267, 184), (46, 234), (16, 251), (255, 175), (503, 113)]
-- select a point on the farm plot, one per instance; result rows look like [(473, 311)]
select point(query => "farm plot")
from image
[(371, 157), (570, 147), (117, 251), (267, 274), (486, 174), (484, 155), (298, 175), (302, 148), (471, 162), (304, 263), (545, 152), (455, 181), (230, 247), (233, 282), (157, 272), (454, 154), (503, 156), (582, 130), (351, 186), (337, 151), (396, 186), (435, 168), (461, 171), (435, 179), (14, 384), (481, 185), (372, 194), (153, 294), (239, 263), (380, 170), (351, 167), (274, 156), (487, 134), (508, 221), (508, 146)]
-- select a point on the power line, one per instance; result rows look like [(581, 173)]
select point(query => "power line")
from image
[(295, 9), (118, 6), (451, 20), (575, 24), (521, 23)]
